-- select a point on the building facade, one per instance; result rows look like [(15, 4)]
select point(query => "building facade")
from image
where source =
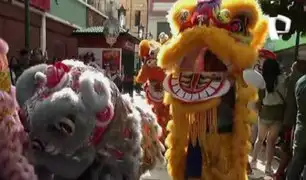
[(136, 16), (120, 56), (51, 24), (46, 30), (158, 10)]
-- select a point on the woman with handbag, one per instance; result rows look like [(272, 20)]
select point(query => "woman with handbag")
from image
[(271, 108)]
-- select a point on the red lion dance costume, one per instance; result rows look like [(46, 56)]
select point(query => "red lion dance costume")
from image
[(152, 77), (209, 60)]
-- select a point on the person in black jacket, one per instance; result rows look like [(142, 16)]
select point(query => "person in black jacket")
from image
[(36, 57), (14, 66), (23, 62)]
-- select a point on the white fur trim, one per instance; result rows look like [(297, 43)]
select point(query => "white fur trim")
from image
[(72, 63), (62, 93), (40, 78), (94, 100), (97, 66)]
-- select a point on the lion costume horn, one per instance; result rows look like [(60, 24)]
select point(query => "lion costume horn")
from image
[(209, 131)]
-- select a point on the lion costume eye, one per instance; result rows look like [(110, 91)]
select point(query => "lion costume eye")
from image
[(184, 15), (224, 16), (151, 63), (236, 26)]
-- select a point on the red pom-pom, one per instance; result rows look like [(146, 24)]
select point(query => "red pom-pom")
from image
[(105, 115)]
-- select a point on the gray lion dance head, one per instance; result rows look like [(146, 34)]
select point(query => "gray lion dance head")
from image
[(80, 126), (67, 109)]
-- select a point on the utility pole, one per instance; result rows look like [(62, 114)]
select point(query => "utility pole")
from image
[(27, 24), (301, 9)]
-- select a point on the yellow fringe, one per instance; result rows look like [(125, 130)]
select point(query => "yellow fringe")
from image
[(177, 139), (225, 155)]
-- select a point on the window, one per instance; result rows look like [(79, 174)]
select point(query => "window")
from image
[(137, 18), (163, 27)]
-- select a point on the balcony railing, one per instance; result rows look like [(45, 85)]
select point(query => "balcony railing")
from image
[(101, 5), (93, 5)]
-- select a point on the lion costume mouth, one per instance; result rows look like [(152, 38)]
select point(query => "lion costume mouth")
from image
[(154, 94), (203, 76), (201, 61)]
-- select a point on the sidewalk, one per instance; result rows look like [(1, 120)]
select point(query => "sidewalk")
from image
[(160, 172), (258, 174)]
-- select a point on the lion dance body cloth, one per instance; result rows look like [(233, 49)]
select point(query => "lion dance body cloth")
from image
[(152, 77), (213, 43)]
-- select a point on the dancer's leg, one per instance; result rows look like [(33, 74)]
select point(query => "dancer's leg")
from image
[(262, 133), (271, 140)]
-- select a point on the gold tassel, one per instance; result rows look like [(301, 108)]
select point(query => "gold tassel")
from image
[(193, 132), (183, 129), (209, 142)]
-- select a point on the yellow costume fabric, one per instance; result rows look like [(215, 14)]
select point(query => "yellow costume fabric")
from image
[(212, 44)]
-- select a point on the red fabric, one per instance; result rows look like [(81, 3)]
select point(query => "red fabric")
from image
[(151, 73), (41, 4), (127, 133), (118, 154), (55, 73), (287, 136), (97, 135), (186, 25), (206, 11), (105, 115), (264, 53)]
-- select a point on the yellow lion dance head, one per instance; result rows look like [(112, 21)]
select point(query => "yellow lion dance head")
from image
[(213, 43), (226, 38)]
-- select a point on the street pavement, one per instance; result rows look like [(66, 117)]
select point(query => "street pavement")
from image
[(160, 172)]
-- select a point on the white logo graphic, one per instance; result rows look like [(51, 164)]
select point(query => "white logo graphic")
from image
[(273, 32)]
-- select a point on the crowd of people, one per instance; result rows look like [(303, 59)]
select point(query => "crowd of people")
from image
[(24, 60), (282, 120), (124, 82), (28, 58)]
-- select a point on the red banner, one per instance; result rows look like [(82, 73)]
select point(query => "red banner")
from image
[(112, 59), (43, 5)]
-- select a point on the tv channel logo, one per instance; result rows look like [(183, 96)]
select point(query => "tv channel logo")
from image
[(273, 32)]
